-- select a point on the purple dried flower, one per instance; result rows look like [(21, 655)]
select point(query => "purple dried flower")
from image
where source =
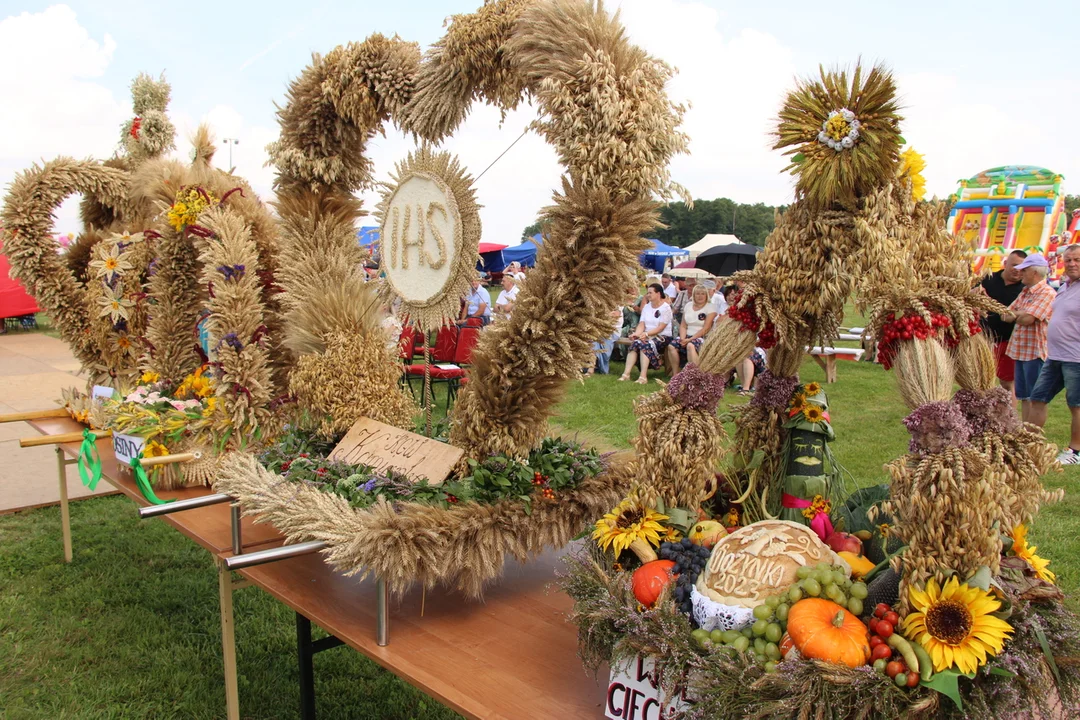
[(773, 391), (937, 426), (697, 389), (233, 341), (231, 272), (988, 412), (369, 485)]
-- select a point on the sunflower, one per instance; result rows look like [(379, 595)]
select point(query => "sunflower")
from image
[(671, 535), (954, 624), (1021, 549), (911, 166), (149, 377), (155, 449), (798, 401), (631, 522), (211, 406), (813, 413), (811, 389)]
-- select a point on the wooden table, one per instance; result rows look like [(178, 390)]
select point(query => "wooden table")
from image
[(512, 655)]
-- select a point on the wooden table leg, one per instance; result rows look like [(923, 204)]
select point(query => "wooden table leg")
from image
[(65, 512), (830, 368), (228, 641)]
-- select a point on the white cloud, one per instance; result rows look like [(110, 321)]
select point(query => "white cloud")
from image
[(52, 105), (248, 154), (511, 192)]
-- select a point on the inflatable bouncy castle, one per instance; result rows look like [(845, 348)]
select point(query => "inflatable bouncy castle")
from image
[(1008, 208)]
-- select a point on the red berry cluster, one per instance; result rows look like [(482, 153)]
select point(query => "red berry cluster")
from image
[(451, 499), (541, 481), (882, 656), (747, 315), (908, 327)]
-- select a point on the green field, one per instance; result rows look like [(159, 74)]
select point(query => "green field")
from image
[(130, 628)]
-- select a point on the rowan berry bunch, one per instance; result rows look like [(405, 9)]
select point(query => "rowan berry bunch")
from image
[(747, 315)]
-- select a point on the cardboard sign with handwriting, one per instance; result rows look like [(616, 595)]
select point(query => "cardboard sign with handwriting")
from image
[(370, 442)]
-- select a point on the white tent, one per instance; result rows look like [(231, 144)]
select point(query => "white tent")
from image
[(709, 241)]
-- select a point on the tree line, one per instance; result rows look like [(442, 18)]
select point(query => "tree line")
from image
[(685, 225)]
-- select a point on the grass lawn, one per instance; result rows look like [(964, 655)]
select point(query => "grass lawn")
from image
[(131, 628)]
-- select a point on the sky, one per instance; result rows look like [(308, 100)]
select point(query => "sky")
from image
[(982, 85)]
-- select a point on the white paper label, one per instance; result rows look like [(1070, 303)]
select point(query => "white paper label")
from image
[(633, 694), (127, 447), (101, 392)]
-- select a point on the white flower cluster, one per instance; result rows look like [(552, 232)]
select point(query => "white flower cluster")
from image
[(846, 142)]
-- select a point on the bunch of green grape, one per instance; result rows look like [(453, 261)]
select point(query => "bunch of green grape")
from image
[(830, 582), (763, 647), (763, 637)]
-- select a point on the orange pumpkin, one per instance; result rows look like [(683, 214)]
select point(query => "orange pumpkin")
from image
[(823, 630), (649, 580)]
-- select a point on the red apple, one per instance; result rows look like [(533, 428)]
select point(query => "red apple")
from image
[(841, 541)]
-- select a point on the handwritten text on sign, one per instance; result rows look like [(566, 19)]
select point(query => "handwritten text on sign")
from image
[(383, 447), (634, 694)]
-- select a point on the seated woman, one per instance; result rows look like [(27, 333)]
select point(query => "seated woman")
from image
[(748, 370), (697, 321), (602, 348), (653, 333)]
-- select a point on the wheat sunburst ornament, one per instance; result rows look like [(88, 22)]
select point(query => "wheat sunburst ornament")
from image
[(428, 236)]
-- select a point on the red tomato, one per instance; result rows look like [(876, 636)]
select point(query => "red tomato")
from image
[(885, 629), (875, 640), (894, 668), (891, 617), (880, 609), (881, 652), (912, 679), (872, 626)]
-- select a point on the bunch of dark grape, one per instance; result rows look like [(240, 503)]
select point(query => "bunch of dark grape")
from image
[(690, 560)]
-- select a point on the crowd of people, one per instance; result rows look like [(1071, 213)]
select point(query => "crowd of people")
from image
[(1037, 342)]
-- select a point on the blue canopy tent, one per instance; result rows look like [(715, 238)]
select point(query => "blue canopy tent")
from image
[(657, 258), (368, 237), (525, 253), (491, 262)]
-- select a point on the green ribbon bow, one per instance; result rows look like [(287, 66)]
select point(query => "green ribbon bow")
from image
[(144, 482), (89, 460)]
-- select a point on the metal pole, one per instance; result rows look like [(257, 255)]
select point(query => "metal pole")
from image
[(181, 505), (65, 512), (382, 613), (305, 655), (261, 557), (237, 540)]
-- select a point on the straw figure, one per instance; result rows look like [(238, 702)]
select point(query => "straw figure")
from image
[(166, 246), (843, 135)]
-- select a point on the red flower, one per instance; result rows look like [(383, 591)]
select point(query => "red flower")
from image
[(136, 125), (451, 499)]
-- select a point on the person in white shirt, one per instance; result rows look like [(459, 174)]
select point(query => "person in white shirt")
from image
[(670, 288), (514, 269), (477, 305), (719, 301), (504, 304), (651, 338), (697, 321)]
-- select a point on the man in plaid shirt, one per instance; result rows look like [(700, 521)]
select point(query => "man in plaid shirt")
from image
[(1031, 312)]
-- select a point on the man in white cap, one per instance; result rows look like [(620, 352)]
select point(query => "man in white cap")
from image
[(507, 296), (1061, 371), (1031, 313)]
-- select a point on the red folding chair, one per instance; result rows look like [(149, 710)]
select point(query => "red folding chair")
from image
[(444, 353), (467, 339)]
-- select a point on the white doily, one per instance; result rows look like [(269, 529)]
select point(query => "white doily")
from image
[(711, 615)]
